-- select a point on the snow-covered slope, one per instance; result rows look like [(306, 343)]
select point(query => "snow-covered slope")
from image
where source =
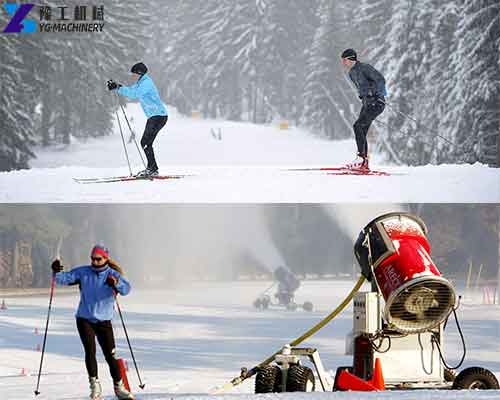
[(196, 337), (249, 164)]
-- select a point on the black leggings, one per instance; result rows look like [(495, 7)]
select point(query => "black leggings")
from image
[(153, 126), (366, 116), (104, 332)]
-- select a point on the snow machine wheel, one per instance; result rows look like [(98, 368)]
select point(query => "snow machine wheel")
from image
[(300, 379), (308, 306), (475, 378), (291, 306), (265, 301), (257, 304), (268, 379), (449, 375)]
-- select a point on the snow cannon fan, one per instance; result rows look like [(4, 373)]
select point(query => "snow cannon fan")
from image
[(394, 253)]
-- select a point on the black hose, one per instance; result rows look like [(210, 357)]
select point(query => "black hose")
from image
[(435, 340)]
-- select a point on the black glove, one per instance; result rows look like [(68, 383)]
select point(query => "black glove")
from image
[(370, 100), (56, 266), (111, 280), (112, 85)]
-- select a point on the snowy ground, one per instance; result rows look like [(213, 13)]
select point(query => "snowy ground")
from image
[(248, 165), (196, 337)]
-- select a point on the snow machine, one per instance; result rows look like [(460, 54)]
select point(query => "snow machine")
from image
[(288, 284), (397, 337)]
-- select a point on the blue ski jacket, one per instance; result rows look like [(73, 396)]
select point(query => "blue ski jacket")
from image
[(96, 296), (146, 92)]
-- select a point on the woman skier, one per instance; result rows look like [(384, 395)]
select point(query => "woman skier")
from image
[(99, 282), (146, 92)]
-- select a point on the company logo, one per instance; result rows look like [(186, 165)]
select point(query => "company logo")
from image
[(54, 19), (18, 22)]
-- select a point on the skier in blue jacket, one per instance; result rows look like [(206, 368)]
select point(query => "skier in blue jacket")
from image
[(146, 92), (99, 282)]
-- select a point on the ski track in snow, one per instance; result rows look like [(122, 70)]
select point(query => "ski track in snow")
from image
[(187, 344), (248, 165)]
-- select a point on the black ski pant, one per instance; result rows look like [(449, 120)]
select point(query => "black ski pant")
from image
[(367, 115), (153, 126), (104, 332)]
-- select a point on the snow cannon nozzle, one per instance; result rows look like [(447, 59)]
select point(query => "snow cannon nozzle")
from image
[(393, 252)]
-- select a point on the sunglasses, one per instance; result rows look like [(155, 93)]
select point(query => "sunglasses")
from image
[(96, 259)]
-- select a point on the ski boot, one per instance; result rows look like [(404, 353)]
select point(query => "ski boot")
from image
[(95, 388), (361, 162), (121, 391), (148, 172)]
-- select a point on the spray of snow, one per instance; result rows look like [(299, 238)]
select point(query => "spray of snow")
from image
[(352, 218), (218, 239)]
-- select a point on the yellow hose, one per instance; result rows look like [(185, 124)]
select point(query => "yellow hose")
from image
[(239, 379)]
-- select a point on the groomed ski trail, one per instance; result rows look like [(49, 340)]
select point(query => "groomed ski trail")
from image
[(248, 165)]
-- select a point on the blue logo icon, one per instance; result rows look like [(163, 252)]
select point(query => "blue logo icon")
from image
[(18, 23)]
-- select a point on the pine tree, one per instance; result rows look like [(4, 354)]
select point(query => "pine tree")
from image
[(16, 120), (441, 82), (181, 55), (476, 66), (327, 93)]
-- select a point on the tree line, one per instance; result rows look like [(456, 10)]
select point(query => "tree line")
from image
[(264, 60), (158, 243)]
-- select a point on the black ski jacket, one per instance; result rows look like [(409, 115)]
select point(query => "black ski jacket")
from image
[(368, 80)]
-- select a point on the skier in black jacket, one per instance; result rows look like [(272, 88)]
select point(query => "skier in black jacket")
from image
[(371, 90)]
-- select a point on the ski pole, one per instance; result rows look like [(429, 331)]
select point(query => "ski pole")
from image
[(141, 385), (52, 286), (132, 135), (415, 120), (123, 140), (401, 131)]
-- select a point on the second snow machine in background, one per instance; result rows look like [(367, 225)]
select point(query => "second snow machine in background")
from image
[(288, 284)]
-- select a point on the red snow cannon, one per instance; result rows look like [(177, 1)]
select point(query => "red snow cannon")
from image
[(394, 254)]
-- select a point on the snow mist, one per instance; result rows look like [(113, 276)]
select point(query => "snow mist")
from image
[(352, 218)]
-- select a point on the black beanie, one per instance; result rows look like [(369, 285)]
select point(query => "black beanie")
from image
[(139, 68), (350, 54)]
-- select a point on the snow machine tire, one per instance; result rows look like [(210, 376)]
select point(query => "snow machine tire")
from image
[(257, 304), (300, 379), (475, 378), (268, 379), (265, 301), (308, 306)]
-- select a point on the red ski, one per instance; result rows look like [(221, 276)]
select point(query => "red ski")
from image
[(344, 171)]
